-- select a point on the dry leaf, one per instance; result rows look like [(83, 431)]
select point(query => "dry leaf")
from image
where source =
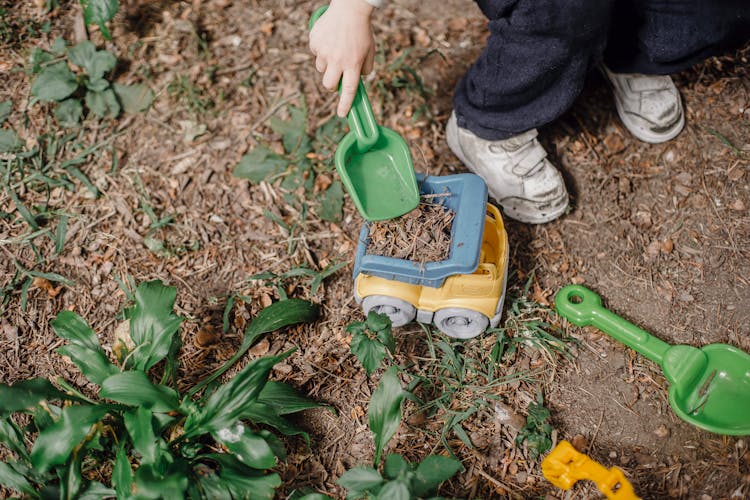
[(540, 296), (614, 143), (261, 348), (267, 28), (46, 285), (206, 337), (738, 206), (322, 182)]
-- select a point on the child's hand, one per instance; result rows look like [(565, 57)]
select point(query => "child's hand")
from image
[(344, 46)]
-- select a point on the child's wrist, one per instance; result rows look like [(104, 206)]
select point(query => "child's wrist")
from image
[(361, 7)]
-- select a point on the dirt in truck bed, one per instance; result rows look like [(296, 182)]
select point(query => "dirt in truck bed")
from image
[(422, 235)]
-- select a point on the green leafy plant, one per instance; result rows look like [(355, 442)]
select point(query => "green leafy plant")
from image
[(56, 82), (303, 159), (537, 432), (280, 281), (371, 340), (27, 176), (456, 381), (525, 326), (400, 479), (140, 433)]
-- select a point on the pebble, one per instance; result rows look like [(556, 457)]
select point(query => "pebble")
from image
[(579, 442), (662, 431), (612, 454)]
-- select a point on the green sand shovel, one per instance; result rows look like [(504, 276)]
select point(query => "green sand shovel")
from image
[(710, 386), (374, 162)]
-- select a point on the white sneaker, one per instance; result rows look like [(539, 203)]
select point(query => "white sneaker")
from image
[(518, 175), (648, 105)]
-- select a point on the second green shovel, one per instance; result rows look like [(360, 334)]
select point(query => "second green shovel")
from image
[(709, 387)]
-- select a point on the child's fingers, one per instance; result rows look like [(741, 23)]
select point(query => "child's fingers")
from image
[(369, 60), (320, 64), (348, 88), (331, 77)]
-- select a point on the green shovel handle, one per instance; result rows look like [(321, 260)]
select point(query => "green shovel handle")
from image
[(583, 307), (361, 119)]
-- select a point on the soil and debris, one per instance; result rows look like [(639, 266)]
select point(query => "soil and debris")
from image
[(662, 232), (422, 235)]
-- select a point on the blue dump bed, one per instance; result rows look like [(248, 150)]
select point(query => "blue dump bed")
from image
[(468, 199)]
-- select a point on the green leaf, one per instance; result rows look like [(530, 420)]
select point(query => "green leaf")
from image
[(276, 316), (98, 85), (152, 323), (140, 426), (432, 471), (10, 478), (369, 352), (394, 466), (227, 404), (293, 131), (332, 202), (96, 491), (284, 399), (99, 12), (58, 46), (84, 349), (72, 481), (70, 326), (135, 389), (394, 490), (54, 83), (360, 479), (9, 141), (241, 479), (152, 482), (260, 413), (62, 229), (55, 444), (259, 164), (377, 322), (385, 410), (122, 473), (5, 108), (94, 365), (134, 98), (12, 437), (249, 448), (96, 62), (82, 54), (68, 112), (103, 104), (27, 393)]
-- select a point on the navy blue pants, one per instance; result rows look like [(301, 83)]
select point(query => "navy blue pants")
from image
[(539, 51)]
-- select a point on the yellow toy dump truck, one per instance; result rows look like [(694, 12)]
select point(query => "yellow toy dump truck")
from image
[(462, 295)]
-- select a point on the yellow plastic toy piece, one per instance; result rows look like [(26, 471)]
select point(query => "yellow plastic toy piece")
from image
[(564, 466), (482, 291)]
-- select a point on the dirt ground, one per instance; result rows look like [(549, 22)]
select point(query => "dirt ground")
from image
[(662, 232)]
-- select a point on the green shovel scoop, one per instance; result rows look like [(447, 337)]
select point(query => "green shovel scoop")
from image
[(374, 162), (709, 387)]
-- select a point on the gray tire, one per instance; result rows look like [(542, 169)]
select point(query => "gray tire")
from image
[(460, 323), (400, 311)]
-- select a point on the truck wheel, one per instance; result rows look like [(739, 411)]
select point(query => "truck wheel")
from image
[(460, 323), (400, 311)]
